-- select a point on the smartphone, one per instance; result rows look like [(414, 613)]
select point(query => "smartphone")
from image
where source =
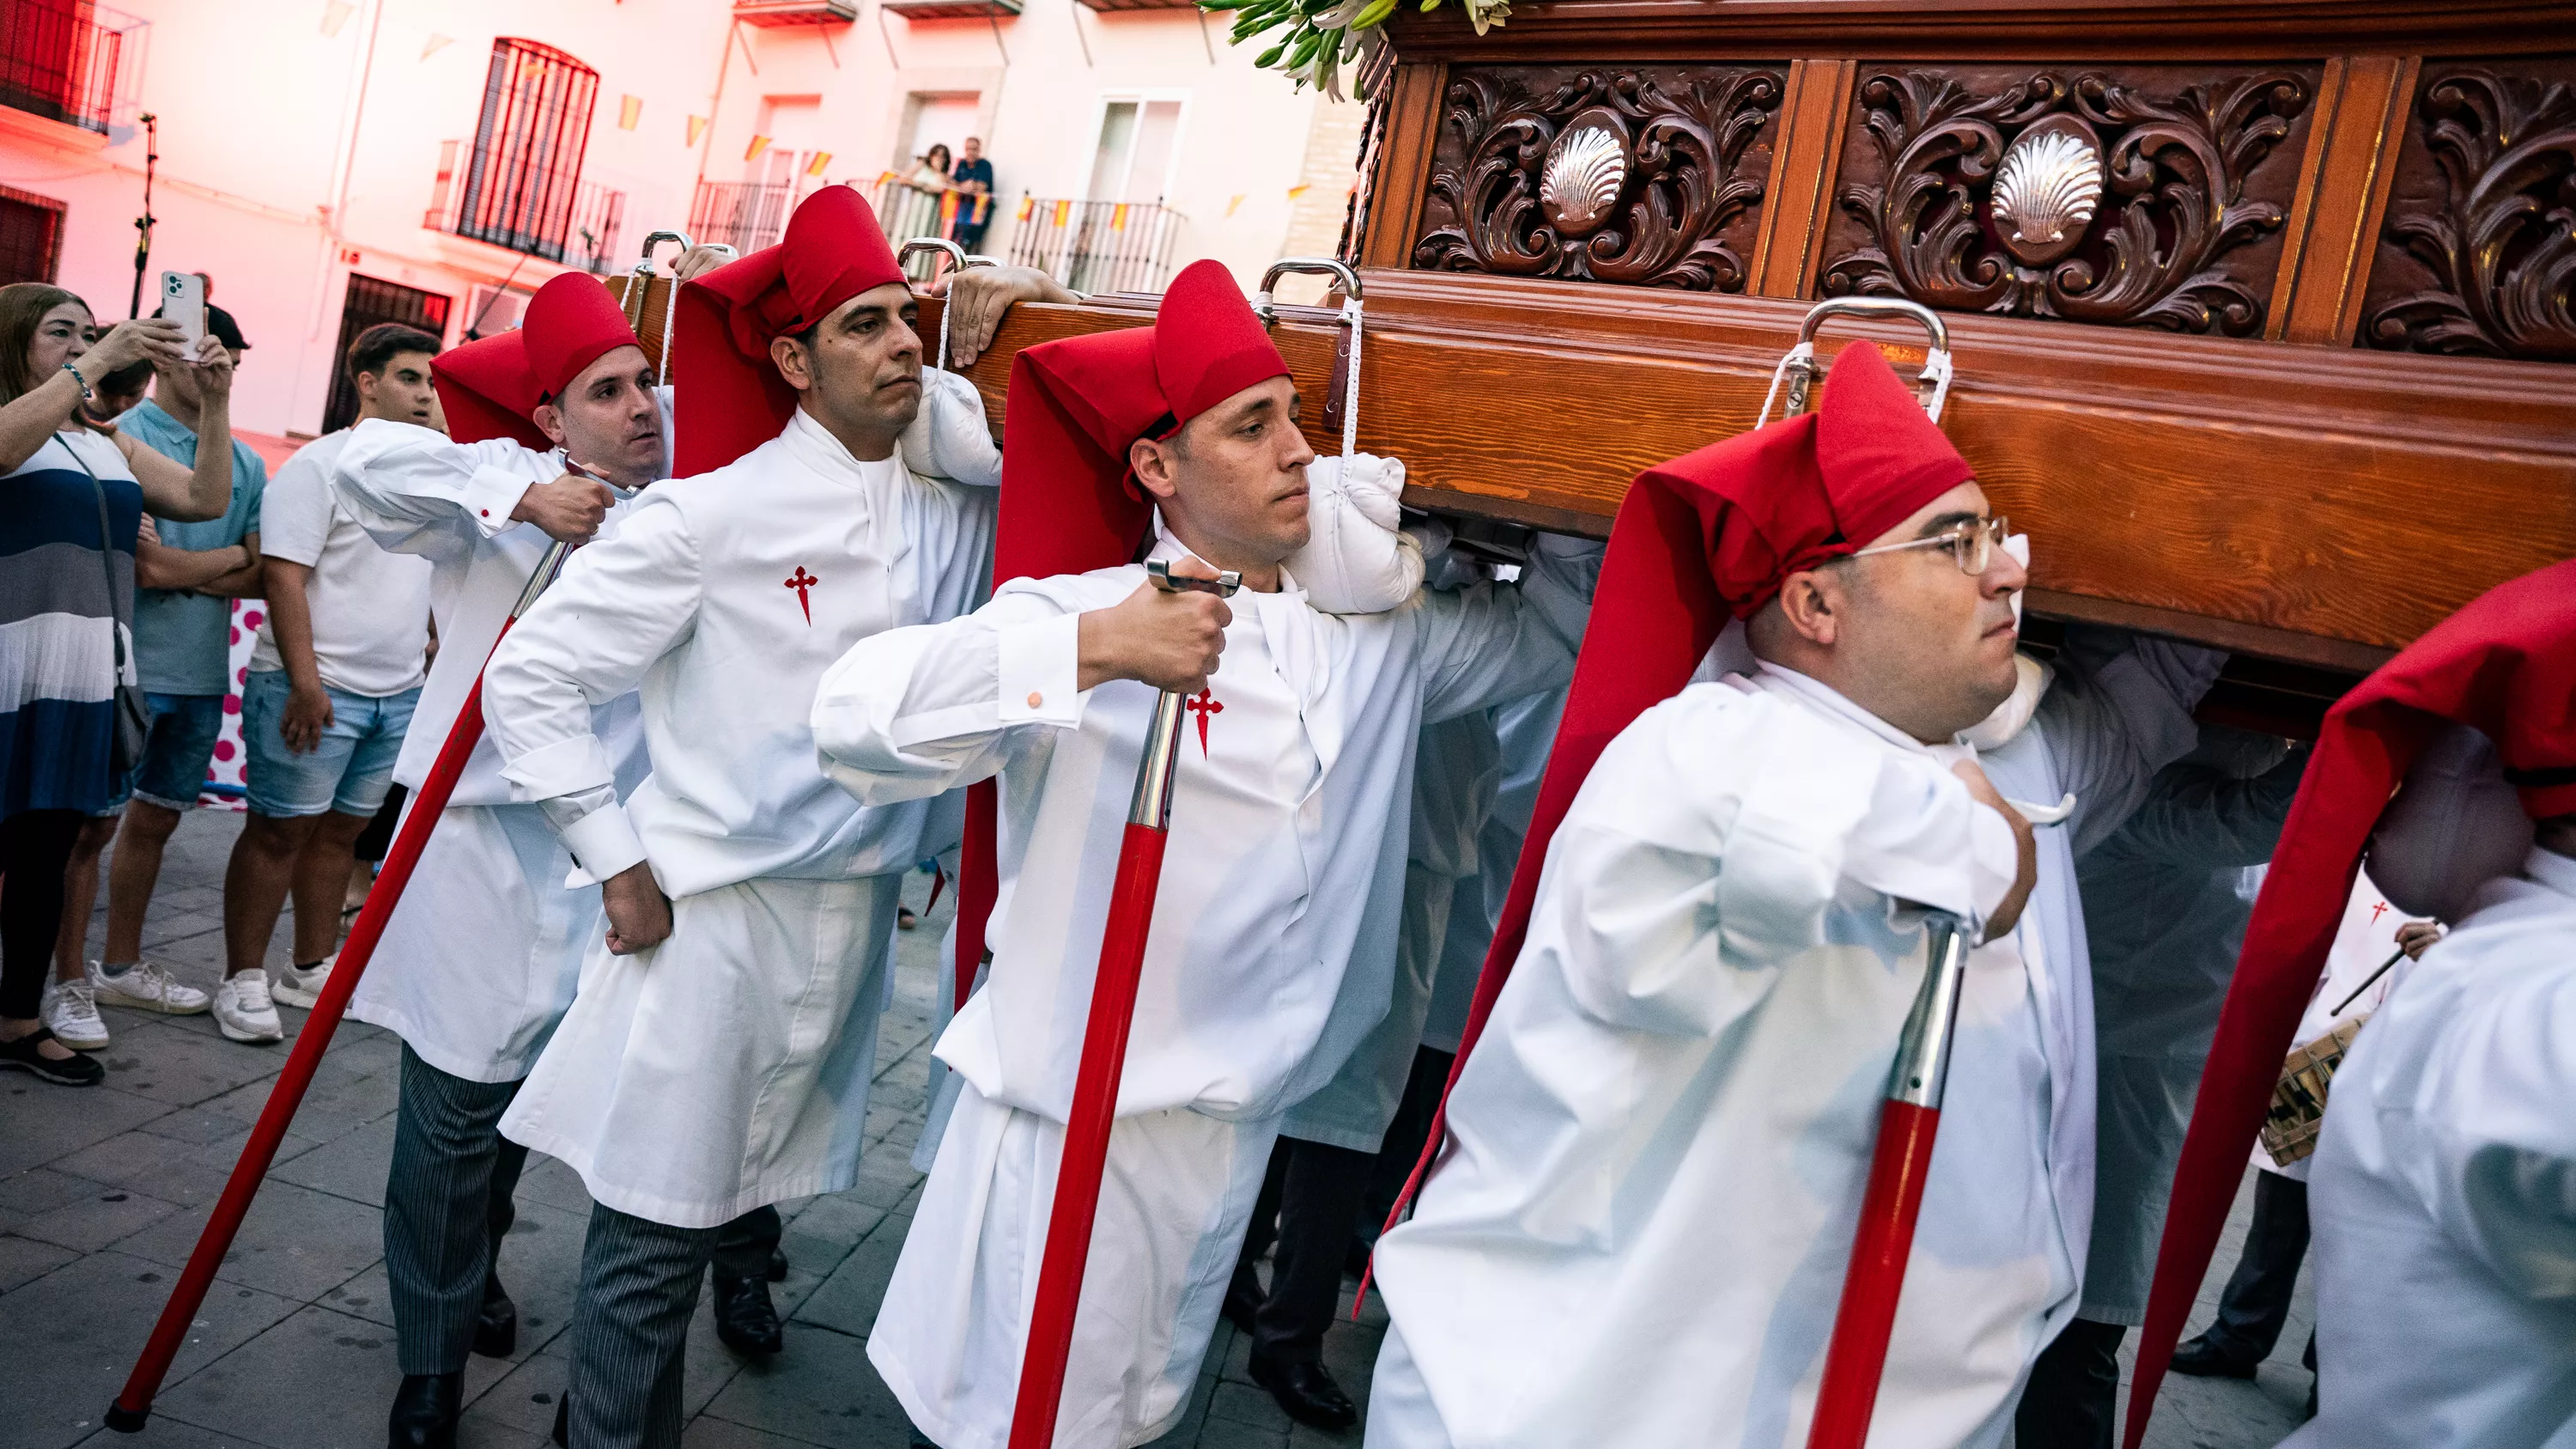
[(183, 300)]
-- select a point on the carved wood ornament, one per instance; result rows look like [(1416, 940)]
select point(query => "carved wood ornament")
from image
[(2082, 198), (2500, 240), (1605, 176)]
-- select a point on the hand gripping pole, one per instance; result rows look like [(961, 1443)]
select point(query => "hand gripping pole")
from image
[(1104, 1058), (134, 1405), (1907, 1122)]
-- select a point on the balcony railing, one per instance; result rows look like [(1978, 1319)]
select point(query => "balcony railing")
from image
[(745, 215), (582, 234), (1097, 246), (68, 60)]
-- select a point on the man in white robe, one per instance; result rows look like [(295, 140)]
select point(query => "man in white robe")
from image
[(2440, 1196), (1272, 937), (718, 1054), (1641, 1225)]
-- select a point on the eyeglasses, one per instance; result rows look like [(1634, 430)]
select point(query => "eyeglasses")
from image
[(1972, 544)]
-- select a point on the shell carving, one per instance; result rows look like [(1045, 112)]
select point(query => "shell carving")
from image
[(2045, 193), (1585, 172)]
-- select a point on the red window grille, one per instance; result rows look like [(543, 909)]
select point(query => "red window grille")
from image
[(58, 62), (525, 171), (31, 236)]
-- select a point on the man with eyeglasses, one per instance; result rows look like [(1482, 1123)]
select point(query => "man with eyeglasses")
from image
[(1643, 1214)]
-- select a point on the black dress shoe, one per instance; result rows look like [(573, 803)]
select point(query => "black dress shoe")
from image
[(2202, 1359), (563, 1420), (745, 1320), (425, 1410), (1307, 1392), (496, 1323), (778, 1265)]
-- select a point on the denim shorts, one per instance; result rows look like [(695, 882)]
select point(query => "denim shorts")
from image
[(175, 753), (348, 772)]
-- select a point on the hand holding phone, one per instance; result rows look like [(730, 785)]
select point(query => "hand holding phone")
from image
[(183, 300)]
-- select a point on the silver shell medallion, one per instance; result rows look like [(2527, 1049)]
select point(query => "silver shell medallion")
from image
[(1586, 170), (2047, 189)]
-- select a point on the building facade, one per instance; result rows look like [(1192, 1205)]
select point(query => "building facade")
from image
[(335, 163)]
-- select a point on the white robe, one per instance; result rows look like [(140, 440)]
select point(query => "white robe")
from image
[(1269, 957), (1660, 1141), (729, 1066), (480, 959), (2444, 1196)]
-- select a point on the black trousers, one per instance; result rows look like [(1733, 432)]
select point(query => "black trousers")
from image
[(2256, 1301), (1316, 1201), (35, 849), (448, 1205), (2074, 1390)]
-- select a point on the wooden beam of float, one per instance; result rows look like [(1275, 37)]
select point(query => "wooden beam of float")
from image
[(2313, 505)]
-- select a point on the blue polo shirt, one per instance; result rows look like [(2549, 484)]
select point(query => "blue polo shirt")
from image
[(183, 640)]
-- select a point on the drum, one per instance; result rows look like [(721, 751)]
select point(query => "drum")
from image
[(2299, 1100)]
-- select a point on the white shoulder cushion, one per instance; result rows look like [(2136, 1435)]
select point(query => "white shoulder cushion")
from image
[(949, 437), (1357, 561)]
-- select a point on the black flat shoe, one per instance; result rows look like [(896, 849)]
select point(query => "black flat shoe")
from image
[(778, 1265), (2201, 1359), (745, 1319), (1307, 1392), (496, 1323), (72, 1071), (424, 1412)]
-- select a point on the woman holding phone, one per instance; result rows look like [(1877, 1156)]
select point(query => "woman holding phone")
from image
[(71, 502)]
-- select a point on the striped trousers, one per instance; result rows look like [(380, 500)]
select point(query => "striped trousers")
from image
[(447, 1207), (630, 1321)]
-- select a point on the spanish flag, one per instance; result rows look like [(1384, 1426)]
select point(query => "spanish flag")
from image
[(1028, 204), (630, 109), (1063, 213), (758, 145), (1118, 217), (821, 160)]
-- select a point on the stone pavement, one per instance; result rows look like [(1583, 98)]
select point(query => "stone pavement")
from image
[(103, 1191)]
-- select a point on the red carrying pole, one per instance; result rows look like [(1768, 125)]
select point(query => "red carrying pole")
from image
[(134, 1405), (1104, 1059), (1884, 1241)]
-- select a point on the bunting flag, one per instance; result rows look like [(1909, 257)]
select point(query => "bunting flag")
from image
[(335, 13), (697, 128), (758, 145), (1063, 213), (1235, 204), (1028, 204), (947, 209), (1118, 217), (630, 109), (821, 160), (1297, 191), (435, 44)]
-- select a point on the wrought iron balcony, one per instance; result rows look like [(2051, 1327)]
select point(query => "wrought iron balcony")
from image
[(767, 13), (550, 216), (745, 215), (69, 61), (1097, 246)]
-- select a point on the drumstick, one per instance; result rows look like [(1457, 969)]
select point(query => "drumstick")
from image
[(2365, 985)]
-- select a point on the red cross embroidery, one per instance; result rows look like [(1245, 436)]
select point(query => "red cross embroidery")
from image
[(2375, 910), (801, 582), (1203, 704)]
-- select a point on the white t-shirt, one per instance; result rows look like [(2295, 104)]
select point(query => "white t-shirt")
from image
[(370, 608)]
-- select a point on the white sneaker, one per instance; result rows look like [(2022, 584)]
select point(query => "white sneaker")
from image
[(71, 1014), (302, 986), (243, 1010), (146, 986)]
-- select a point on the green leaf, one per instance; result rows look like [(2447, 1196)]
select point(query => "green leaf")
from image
[(1270, 57), (1374, 13)]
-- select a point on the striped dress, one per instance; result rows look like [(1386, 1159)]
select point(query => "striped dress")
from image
[(57, 645)]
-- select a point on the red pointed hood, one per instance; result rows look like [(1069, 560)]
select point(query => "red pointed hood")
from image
[(735, 400), (2504, 665), (571, 323), (487, 391)]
